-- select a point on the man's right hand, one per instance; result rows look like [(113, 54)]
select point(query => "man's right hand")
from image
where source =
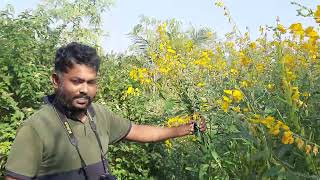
[(9, 178)]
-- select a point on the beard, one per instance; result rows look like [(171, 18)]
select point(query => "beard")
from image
[(66, 101)]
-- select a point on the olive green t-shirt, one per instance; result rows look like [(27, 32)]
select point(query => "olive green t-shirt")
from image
[(42, 149)]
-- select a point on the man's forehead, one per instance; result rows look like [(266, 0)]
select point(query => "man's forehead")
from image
[(81, 71)]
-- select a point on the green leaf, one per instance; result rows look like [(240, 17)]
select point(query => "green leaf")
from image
[(168, 106), (203, 170), (216, 157), (273, 171)]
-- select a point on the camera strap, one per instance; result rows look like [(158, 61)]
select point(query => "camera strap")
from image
[(90, 114)]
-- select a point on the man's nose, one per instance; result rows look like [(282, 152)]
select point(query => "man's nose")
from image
[(84, 88)]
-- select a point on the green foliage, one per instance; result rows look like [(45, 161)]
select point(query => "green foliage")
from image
[(232, 147), (26, 57)]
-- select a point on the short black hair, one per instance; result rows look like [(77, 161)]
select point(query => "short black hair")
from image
[(76, 53)]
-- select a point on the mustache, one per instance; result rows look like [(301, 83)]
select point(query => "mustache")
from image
[(83, 96)]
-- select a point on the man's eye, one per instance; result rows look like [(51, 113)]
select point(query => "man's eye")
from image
[(76, 81), (92, 82)]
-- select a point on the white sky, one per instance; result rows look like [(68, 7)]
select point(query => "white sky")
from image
[(200, 13)]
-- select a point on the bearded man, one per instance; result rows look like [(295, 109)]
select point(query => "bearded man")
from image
[(68, 137)]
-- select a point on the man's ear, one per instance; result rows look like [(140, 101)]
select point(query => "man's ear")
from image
[(55, 80)]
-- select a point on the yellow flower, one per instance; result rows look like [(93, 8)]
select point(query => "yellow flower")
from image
[(134, 74), (306, 94), (209, 34), (287, 137), (164, 25), (244, 84), (279, 123), (161, 46), (268, 121), (196, 116), (137, 91), (285, 127), (168, 144), (237, 95), (255, 121), (225, 98), (257, 116), (291, 75), (219, 4), (204, 54), (130, 90), (297, 29), (300, 143), (230, 44), (225, 106), (236, 109), (281, 29), (310, 32), (270, 87), (229, 92), (317, 14), (204, 60), (189, 45), (253, 45), (170, 50), (289, 60), (259, 67), (200, 84), (274, 131), (315, 150), (194, 138), (308, 149), (234, 71), (178, 120), (141, 74), (295, 94), (245, 61)]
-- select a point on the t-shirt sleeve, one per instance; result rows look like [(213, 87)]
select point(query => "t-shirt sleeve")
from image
[(25, 154), (119, 128)]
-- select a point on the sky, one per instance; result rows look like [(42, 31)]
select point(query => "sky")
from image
[(125, 14)]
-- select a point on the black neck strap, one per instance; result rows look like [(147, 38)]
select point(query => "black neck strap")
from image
[(72, 138), (64, 122)]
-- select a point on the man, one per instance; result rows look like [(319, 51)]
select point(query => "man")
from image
[(68, 137)]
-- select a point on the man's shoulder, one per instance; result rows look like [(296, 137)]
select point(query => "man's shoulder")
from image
[(44, 115), (100, 108), (104, 113)]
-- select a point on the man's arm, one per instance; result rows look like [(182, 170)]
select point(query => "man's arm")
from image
[(145, 133), (9, 178), (25, 155)]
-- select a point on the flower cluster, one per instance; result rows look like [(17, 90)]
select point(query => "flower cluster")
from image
[(174, 122), (277, 127), (178, 120), (141, 74), (317, 14), (132, 91), (231, 96)]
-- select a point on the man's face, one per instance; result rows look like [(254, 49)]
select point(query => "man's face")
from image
[(76, 88)]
